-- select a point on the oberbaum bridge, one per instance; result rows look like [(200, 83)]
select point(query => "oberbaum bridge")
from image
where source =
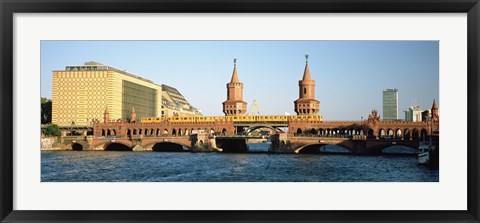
[(307, 132)]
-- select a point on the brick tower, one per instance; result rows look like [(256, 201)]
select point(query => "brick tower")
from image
[(133, 115), (435, 117), (106, 116), (306, 104), (234, 105)]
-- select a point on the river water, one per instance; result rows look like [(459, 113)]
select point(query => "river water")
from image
[(113, 166)]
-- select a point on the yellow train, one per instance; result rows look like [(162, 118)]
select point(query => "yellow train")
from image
[(235, 119)]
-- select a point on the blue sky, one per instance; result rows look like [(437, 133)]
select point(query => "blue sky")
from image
[(349, 75)]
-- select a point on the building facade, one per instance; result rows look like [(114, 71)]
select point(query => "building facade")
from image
[(390, 104), (82, 94), (306, 104), (174, 104), (414, 114), (234, 105)]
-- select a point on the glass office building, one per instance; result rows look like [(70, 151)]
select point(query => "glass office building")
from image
[(390, 104)]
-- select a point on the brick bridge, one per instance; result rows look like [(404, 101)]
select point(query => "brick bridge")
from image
[(368, 136), (356, 145)]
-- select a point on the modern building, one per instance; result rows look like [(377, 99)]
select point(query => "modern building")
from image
[(82, 94), (306, 104), (414, 114), (234, 105), (390, 104), (174, 104)]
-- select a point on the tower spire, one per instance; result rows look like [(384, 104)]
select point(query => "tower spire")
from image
[(306, 72), (234, 75)]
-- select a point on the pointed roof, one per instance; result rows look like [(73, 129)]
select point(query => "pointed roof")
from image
[(306, 73), (234, 75), (133, 110), (434, 106), (106, 110)]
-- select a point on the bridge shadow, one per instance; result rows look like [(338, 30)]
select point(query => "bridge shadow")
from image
[(399, 151), (117, 147), (168, 147), (77, 147), (324, 149), (232, 145)]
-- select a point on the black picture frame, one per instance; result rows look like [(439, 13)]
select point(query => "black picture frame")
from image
[(9, 7)]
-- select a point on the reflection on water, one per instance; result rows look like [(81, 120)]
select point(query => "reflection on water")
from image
[(100, 166)]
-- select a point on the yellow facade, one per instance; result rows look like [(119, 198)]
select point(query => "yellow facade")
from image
[(78, 96), (82, 96)]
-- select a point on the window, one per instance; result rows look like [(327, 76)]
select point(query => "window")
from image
[(304, 90)]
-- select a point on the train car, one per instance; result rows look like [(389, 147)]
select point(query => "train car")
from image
[(235, 119), (151, 119)]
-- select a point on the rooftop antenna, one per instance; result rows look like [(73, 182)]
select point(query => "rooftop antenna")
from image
[(306, 58), (234, 62)]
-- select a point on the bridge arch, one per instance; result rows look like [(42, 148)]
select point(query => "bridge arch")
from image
[(415, 135), (390, 133), (168, 147), (150, 145), (315, 148), (299, 131), (381, 145), (406, 134), (77, 147), (117, 146), (423, 135), (370, 133), (253, 128), (398, 134), (381, 133)]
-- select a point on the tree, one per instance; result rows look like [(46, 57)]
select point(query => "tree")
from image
[(46, 111), (52, 130)]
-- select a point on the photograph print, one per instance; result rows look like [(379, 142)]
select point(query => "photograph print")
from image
[(240, 111)]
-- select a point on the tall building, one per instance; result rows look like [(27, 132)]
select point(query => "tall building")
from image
[(390, 104), (306, 104), (234, 105), (93, 91), (414, 114)]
